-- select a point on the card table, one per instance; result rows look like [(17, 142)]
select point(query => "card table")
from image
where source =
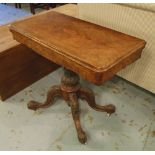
[(84, 49)]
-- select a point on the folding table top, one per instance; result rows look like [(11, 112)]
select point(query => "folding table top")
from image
[(93, 51)]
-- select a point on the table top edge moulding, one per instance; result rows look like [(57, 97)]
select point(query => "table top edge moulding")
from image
[(96, 68), (82, 48)]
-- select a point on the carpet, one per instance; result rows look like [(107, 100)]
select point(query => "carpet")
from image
[(9, 14), (132, 127)]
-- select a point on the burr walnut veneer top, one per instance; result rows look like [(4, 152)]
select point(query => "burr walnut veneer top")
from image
[(93, 51)]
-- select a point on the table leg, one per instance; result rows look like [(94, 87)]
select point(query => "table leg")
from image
[(55, 91), (70, 90), (75, 113), (88, 95)]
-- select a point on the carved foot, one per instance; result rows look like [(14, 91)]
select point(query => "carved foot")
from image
[(33, 105), (75, 113), (88, 95), (82, 137), (70, 90), (52, 93)]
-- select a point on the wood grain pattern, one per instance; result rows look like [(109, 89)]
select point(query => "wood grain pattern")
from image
[(70, 90), (67, 42), (133, 21), (19, 65), (6, 39)]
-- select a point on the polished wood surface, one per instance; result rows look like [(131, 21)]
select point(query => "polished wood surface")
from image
[(70, 90), (6, 39), (96, 52), (19, 65)]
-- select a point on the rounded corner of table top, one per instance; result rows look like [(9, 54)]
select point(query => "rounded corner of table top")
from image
[(76, 35)]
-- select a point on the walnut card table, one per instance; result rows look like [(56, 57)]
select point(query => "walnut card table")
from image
[(94, 52)]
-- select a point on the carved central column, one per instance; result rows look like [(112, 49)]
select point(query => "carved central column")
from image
[(70, 90)]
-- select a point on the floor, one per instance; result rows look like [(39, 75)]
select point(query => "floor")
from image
[(132, 127), (8, 13)]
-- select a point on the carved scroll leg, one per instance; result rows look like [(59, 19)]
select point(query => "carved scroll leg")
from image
[(52, 93), (75, 113), (88, 95)]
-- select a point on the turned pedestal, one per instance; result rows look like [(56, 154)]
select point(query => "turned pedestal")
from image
[(96, 53), (71, 90)]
